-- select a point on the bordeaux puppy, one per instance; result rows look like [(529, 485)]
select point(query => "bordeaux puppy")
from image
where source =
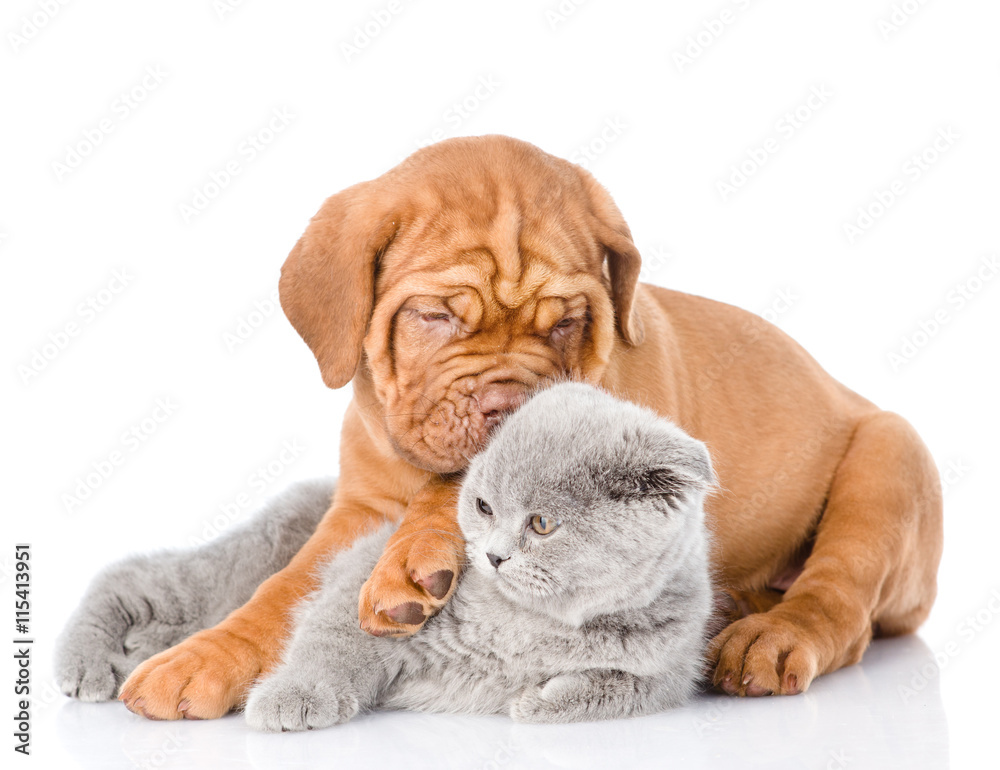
[(479, 267)]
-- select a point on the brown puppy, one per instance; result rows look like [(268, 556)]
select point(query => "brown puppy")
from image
[(453, 284)]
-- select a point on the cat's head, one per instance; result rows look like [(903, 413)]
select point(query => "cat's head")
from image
[(583, 504)]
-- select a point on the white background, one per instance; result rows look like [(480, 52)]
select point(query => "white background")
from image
[(606, 80)]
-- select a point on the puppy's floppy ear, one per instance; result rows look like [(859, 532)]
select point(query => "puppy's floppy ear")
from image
[(327, 285), (624, 261)]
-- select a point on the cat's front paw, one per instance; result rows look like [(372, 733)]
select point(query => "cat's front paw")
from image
[(279, 704), (88, 668), (558, 700)]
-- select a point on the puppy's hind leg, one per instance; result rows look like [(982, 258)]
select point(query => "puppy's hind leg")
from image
[(874, 564), (144, 604)]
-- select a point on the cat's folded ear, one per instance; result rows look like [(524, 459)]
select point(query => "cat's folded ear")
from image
[(684, 467)]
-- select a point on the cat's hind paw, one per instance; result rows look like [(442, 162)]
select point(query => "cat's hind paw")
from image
[(280, 705)]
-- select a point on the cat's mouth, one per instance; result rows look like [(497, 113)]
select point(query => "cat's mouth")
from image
[(525, 588)]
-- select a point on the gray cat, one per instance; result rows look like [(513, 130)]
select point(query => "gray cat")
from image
[(586, 594)]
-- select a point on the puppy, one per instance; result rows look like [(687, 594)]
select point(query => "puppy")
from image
[(449, 287)]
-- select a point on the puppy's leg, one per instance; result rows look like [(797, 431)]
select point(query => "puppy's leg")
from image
[(419, 568), (145, 604), (210, 673), (731, 605), (874, 561)]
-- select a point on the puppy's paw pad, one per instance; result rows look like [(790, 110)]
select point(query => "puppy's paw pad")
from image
[(280, 705), (411, 614), (437, 584)]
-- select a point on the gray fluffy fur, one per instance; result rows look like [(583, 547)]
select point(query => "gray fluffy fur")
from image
[(145, 604), (603, 618)]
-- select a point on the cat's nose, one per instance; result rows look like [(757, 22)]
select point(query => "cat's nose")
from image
[(495, 560)]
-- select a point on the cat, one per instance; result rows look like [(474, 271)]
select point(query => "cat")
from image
[(585, 596)]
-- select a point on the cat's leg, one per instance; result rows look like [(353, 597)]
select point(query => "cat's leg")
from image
[(599, 694), (141, 606), (331, 669)]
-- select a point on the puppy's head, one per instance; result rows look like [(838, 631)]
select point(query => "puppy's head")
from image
[(459, 280)]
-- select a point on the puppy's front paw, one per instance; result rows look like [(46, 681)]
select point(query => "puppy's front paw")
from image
[(763, 654), (279, 704), (558, 700), (413, 580), (203, 677)]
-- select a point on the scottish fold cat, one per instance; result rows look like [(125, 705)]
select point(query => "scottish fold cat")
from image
[(585, 595)]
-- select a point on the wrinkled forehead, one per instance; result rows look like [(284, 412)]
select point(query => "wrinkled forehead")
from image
[(498, 256)]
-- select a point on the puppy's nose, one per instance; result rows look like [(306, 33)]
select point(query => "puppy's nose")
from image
[(498, 399), (496, 560)]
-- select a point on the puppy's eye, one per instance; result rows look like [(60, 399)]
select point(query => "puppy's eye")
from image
[(484, 507), (434, 317), (563, 329), (544, 525)]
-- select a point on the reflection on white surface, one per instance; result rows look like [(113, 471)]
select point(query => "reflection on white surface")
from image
[(880, 713)]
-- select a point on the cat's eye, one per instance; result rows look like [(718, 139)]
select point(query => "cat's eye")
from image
[(483, 507), (544, 525)]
